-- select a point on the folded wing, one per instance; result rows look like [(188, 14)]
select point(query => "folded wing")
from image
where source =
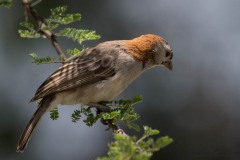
[(90, 67)]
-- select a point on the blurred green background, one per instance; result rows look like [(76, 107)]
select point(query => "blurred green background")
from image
[(197, 104)]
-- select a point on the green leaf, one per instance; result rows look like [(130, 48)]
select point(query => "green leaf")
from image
[(66, 19), (132, 101), (154, 132), (133, 126), (58, 16), (54, 114), (44, 60), (136, 99), (76, 115), (28, 34), (78, 34), (110, 115), (6, 3), (75, 52), (58, 10), (163, 141), (149, 131), (27, 25), (91, 118), (50, 26)]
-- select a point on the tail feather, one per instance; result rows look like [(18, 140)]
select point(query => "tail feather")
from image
[(26, 135)]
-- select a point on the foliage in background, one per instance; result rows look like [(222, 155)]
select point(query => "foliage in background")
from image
[(44, 60), (129, 148), (54, 114), (6, 3), (124, 147), (52, 23)]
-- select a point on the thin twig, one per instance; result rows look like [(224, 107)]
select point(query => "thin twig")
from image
[(29, 10), (141, 139)]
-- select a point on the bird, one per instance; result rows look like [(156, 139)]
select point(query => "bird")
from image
[(100, 73)]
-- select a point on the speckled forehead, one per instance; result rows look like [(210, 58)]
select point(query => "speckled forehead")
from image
[(146, 42), (142, 46)]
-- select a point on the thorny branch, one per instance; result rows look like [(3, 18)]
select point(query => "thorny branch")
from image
[(30, 11)]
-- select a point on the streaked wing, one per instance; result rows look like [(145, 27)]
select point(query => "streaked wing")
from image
[(91, 67)]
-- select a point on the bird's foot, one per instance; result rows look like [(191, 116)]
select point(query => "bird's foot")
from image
[(100, 107), (110, 124), (103, 108)]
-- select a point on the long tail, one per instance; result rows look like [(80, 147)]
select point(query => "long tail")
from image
[(26, 135)]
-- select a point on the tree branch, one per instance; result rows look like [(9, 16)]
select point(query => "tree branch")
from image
[(30, 11)]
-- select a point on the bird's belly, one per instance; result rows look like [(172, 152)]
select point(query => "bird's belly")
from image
[(104, 91)]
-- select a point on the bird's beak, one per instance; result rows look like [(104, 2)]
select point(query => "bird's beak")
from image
[(168, 65)]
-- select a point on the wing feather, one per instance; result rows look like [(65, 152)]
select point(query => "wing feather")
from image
[(90, 67)]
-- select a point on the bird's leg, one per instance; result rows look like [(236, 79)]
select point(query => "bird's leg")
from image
[(110, 124), (99, 107), (103, 108)]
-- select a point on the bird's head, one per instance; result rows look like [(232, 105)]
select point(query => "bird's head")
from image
[(152, 50)]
